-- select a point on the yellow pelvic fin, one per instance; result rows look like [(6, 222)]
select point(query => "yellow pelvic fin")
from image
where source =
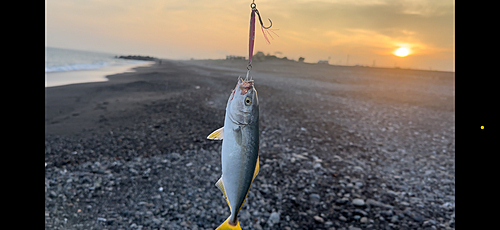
[(227, 226), (220, 185), (217, 134)]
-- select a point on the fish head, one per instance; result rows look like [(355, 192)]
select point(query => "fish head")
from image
[(243, 104)]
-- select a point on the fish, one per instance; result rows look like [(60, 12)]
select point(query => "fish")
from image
[(240, 148)]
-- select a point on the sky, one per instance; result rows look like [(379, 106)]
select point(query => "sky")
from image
[(344, 32)]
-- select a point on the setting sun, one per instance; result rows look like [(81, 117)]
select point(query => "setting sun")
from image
[(401, 52)]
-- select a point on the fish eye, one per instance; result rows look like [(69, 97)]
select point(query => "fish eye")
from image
[(248, 101)]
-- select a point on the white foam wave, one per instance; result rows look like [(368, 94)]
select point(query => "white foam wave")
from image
[(76, 67), (90, 66)]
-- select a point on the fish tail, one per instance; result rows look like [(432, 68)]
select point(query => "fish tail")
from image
[(227, 226)]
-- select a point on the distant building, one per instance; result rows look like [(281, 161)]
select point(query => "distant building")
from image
[(233, 57), (323, 62), (301, 59)]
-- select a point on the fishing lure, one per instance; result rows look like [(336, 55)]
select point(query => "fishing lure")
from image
[(252, 34)]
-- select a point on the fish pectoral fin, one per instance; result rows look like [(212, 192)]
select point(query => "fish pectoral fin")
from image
[(217, 134), (220, 185)]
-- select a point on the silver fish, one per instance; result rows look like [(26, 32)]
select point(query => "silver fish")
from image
[(240, 148)]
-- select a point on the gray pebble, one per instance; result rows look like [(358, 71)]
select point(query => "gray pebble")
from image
[(358, 202), (318, 219), (274, 218)]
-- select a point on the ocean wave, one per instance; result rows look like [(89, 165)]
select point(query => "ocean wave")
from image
[(90, 66), (75, 67)]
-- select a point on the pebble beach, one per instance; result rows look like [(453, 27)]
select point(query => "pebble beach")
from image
[(341, 147)]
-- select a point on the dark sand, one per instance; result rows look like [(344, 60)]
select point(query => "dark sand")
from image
[(341, 147)]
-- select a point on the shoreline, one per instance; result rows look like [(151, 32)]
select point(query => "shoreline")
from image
[(61, 78)]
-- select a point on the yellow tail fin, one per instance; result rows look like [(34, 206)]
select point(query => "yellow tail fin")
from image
[(227, 226)]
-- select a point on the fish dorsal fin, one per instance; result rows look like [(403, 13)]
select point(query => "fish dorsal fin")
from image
[(220, 185), (217, 134)]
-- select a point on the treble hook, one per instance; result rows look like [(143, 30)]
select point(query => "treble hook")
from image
[(254, 7)]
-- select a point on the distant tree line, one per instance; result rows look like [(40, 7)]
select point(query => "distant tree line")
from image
[(137, 57)]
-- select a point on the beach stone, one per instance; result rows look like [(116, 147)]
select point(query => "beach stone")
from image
[(363, 220), (342, 218), (358, 202), (157, 221), (341, 201), (372, 202), (318, 219), (447, 206), (315, 196), (274, 218), (360, 212), (417, 217)]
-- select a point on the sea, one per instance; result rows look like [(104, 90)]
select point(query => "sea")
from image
[(68, 66)]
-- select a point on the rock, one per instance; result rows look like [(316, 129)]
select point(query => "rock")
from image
[(387, 213), (429, 223), (101, 219), (360, 212), (257, 226), (342, 201), (274, 218), (372, 202), (358, 202), (359, 169), (318, 219), (53, 194), (315, 196), (447, 206), (156, 221), (394, 219), (363, 220), (110, 221), (342, 218), (354, 228), (417, 217)]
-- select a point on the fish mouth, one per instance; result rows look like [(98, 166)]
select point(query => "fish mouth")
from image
[(244, 85)]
